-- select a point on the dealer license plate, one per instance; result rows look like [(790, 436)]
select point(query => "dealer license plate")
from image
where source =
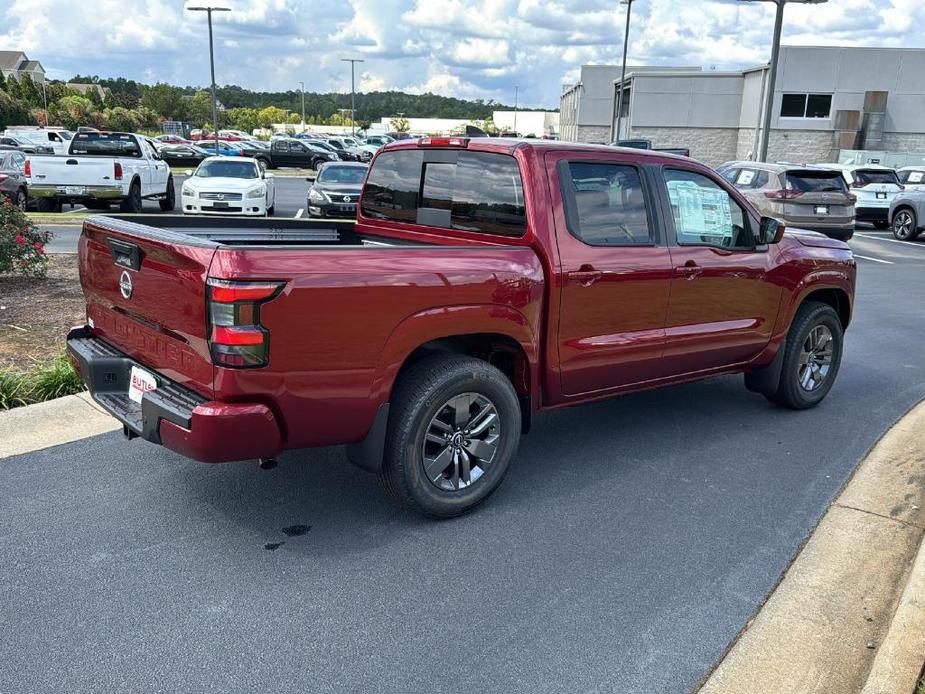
[(822, 209), (74, 190), (881, 196), (141, 382)]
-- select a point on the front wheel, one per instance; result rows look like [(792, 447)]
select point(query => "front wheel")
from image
[(812, 356), (905, 225), (453, 432)]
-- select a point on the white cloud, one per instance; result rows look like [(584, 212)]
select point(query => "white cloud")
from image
[(469, 48)]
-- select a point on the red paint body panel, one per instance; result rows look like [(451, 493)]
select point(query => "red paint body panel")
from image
[(349, 316)]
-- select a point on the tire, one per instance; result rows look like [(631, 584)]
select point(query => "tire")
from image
[(819, 321), (882, 225), (132, 203), (429, 397), (170, 202), (905, 224), (271, 210), (48, 205), (265, 161), (22, 199)]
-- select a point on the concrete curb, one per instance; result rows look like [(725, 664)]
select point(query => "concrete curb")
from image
[(34, 427), (849, 613)]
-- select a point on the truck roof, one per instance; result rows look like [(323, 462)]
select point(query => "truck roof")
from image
[(507, 145)]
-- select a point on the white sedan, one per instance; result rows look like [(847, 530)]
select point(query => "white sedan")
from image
[(229, 185)]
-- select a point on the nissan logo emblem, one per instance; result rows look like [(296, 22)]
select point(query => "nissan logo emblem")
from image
[(220, 196), (346, 198), (125, 285)]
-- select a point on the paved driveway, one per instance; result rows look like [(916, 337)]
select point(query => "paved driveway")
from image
[(631, 542)]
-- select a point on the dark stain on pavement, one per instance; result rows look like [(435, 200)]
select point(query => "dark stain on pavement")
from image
[(296, 530)]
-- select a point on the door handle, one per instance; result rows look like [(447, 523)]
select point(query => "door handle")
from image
[(689, 270), (586, 275)]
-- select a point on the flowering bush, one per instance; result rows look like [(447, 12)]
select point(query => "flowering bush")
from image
[(22, 245)]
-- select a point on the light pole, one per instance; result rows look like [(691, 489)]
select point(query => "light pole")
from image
[(209, 9), (772, 72), (516, 93), (626, 39), (302, 88), (353, 93)]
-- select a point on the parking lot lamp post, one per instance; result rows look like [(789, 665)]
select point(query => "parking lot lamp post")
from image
[(302, 88), (626, 40), (209, 9), (772, 71), (353, 93), (516, 91)]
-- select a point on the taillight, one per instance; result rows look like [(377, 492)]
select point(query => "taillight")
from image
[(117, 171), (236, 337), (27, 170), (3, 177), (783, 194)]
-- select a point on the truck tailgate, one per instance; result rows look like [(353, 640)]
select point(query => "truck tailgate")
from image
[(69, 170), (146, 296)]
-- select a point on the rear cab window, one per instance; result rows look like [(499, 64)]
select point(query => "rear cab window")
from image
[(106, 145), (464, 190)]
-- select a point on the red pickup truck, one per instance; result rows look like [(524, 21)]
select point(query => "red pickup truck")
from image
[(484, 280)]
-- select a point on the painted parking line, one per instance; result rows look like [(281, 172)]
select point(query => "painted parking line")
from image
[(875, 260), (907, 244)]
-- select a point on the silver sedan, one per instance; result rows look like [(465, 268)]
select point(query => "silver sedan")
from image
[(907, 214)]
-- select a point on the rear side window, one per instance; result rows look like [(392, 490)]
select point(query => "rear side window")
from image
[(815, 182), (864, 177), (605, 204), (912, 176), (469, 191), (751, 179)]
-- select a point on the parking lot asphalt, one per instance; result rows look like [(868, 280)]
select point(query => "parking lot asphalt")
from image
[(631, 542)]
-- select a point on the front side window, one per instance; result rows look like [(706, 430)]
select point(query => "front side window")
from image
[(605, 204), (704, 214), (806, 105)]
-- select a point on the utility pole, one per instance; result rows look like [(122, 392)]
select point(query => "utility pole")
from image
[(516, 91), (353, 93), (626, 40), (772, 73), (302, 88), (209, 9)]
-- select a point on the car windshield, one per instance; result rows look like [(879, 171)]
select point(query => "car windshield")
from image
[(816, 182), (106, 144), (227, 169), (865, 177), (342, 174)]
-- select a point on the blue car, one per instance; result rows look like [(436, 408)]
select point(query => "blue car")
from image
[(226, 149)]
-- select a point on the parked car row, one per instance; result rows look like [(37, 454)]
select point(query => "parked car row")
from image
[(831, 198)]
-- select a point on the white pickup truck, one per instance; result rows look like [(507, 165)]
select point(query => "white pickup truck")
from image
[(101, 169)]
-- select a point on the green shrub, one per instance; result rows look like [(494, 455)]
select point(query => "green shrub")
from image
[(22, 245), (46, 382)]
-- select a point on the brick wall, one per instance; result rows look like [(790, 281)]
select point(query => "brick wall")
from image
[(712, 146), (594, 133), (904, 142)]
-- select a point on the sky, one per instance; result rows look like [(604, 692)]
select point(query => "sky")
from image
[(474, 49)]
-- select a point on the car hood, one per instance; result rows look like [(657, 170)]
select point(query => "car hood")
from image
[(814, 239), (218, 183), (340, 188)]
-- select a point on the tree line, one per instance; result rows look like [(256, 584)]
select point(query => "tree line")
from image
[(128, 105)]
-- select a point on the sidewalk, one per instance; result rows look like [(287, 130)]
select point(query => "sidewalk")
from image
[(849, 613)]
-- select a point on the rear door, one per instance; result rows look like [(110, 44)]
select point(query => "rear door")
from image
[(722, 306), (146, 295), (614, 275)]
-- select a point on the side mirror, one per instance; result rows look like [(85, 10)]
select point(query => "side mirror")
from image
[(310, 179), (770, 231)]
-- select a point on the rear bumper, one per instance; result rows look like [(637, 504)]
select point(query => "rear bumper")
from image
[(172, 415), (842, 233), (89, 192)]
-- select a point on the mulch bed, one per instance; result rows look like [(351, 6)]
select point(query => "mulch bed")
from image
[(35, 314)]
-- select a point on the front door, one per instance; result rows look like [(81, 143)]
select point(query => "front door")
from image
[(723, 305), (614, 274)]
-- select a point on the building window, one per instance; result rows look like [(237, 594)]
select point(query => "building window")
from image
[(806, 105)]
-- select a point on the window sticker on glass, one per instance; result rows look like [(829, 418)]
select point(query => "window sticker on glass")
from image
[(745, 177), (916, 177), (700, 211)]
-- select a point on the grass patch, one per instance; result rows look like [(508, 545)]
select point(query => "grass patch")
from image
[(46, 381)]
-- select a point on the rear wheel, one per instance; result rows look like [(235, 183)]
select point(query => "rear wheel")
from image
[(96, 205), (132, 203), (22, 199), (48, 205), (169, 202), (812, 356), (905, 224), (453, 432)]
